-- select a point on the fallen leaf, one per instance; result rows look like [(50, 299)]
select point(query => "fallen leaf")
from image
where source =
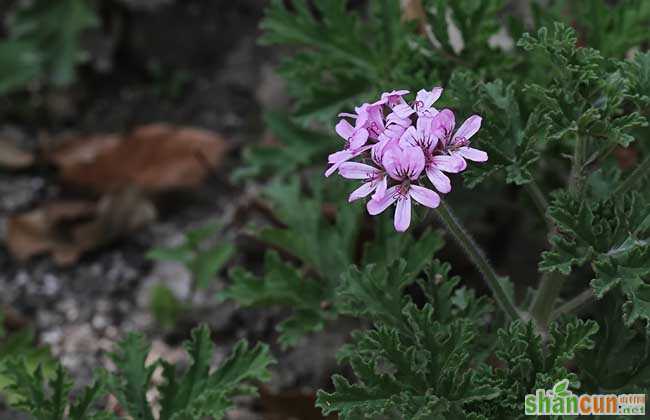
[(155, 157), (68, 229), (11, 157), (82, 150)]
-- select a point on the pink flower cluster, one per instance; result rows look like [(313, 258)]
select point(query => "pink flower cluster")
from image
[(392, 146)]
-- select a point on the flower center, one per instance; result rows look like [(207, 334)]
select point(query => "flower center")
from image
[(374, 129), (458, 143), (402, 190), (425, 141), (373, 177), (419, 105)]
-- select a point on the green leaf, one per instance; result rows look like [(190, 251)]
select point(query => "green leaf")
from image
[(83, 408), (375, 293), (19, 64), (208, 263), (177, 395), (629, 270), (599, 230), (281, 285), (47, 399), (44, 41), (180, 254), (22, 343), (131, 386), (244, 363), (195, 237), (414, 362), (164, 305), (297, 147), (199, 393), (569, 339)]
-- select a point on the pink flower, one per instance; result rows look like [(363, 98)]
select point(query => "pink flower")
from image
[(374, 176), (394, 98), (457, 145), (426, 138), (404, 165), (408, 141), (422, 105), (372, 116), (355, 140)]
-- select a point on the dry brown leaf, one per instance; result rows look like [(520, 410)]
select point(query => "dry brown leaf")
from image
[(81, 150), (67, 229), (11, 157), (155, 157)]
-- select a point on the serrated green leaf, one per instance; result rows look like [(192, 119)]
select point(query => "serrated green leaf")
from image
[(208, 263), (130, 388)]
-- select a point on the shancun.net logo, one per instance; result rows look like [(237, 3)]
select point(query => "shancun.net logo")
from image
[(560, 400)]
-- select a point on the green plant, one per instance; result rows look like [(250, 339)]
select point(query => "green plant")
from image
[(552, 112), (44, 43), (198, 393), (202, 262)]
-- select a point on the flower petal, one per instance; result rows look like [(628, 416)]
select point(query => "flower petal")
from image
[(393, 118), (332, 169), (473, 154), (462, 164), (452, 164), (413, 162), (424, 196), (340, 156), (377, 206), (356, 170), (359, 138), (423, 123), (409, 138), (443, 123), (469, 127), (404, 163), (344, 129), (403, 110), (439, 180), (403, 214), (382, 185), (393, 131), (428, 97), (363, 191), (394, 93)]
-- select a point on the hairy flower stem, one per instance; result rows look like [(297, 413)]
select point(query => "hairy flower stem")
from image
[(547, 294), (478, 258), (579, 156), (551, 284), (642, 171)]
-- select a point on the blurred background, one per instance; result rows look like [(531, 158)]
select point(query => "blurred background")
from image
[(122, 129), (121, 124)]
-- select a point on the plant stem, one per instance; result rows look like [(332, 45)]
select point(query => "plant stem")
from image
[(573, 304), (547, 293), (639, 173), (538, 198), (478, 258), (579, 157)]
